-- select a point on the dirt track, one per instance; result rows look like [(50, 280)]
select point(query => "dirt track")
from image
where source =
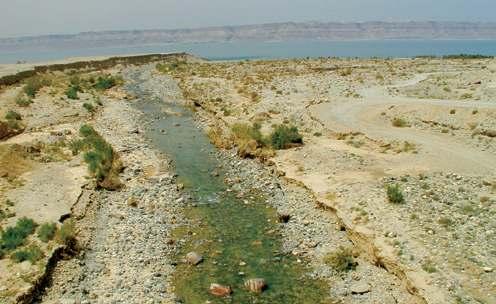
[(438, 151)]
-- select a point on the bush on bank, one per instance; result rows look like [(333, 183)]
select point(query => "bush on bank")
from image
[(102, 161)]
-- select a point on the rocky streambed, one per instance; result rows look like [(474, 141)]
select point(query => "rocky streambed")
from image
[(247, 222), (195, 224), (232, 235)]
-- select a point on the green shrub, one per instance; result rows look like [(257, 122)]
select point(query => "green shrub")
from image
[(87, 131), (23, 101), (245, 132), (394, 194), (13, 115), (341, 260), (77, 146), (99, 155), (284, 137), (429, 266), (72, 92), (32, 253), (105, 82), (75, 82), (65, 235), (46, 232), (34, 84), (14, 237), (89, 107), (14, 124), (399, 122)]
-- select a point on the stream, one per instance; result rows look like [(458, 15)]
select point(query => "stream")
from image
[(239, 236)]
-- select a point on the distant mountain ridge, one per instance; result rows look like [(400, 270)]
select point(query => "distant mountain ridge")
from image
[(265, 32)]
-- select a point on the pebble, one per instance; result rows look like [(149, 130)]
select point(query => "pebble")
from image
[(194, 258), (360, 288), (220, 290), (255, 285)]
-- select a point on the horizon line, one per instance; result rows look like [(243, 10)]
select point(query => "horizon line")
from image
[(235, 26)]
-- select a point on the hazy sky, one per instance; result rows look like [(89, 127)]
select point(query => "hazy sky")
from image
[(33, 17)]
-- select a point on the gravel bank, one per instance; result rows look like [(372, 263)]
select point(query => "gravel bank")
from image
[(126, 257)]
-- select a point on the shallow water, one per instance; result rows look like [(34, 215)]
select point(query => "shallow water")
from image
[(228, 230), (259, 49)]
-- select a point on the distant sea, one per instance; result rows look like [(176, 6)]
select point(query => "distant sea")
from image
[(268, 50)]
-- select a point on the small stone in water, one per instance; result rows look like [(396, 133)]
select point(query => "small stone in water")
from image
[(255, 285), (220, 290), (194, 258)]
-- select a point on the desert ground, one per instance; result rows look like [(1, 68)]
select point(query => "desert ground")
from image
[(383, 171)]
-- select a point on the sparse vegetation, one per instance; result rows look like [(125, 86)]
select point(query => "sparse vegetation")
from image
[(66, 235), (394, 194), (23, 101), (399, 122), (245, 132), (467, 56), (102, 161), (341, 260), (429, 267), (285, 137), (248, 139), (106, 82), (446, 222), (34, 84), (72, 92), (32, 254), (14, 237), (46, 232), (13, 115), (89, 107), (175, 66)]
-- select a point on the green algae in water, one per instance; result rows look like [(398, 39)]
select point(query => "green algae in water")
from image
[(239, 241)]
